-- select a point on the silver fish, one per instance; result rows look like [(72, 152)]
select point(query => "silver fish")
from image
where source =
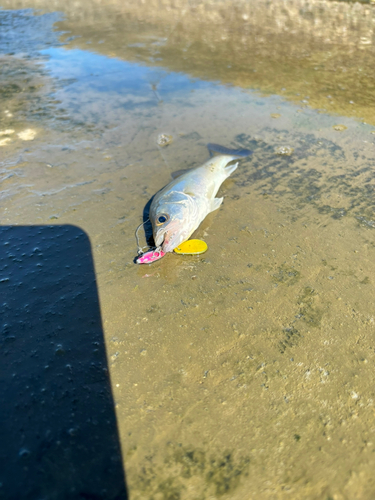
[(177, 210)]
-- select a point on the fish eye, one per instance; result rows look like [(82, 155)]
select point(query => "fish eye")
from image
[(161, 219)]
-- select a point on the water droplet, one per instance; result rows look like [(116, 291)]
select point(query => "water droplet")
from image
[(164, 140), (24, 453)]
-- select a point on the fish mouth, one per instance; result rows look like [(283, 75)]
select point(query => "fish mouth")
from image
[(159, 239), (167, 244), (172, 241), (164, 242), (169, 237)]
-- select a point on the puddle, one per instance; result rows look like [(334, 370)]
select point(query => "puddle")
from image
[(246, 372)]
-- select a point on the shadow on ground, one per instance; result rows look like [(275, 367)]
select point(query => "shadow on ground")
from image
[(58, 429)]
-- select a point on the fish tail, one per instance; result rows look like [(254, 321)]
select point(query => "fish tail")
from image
[(239, 153)]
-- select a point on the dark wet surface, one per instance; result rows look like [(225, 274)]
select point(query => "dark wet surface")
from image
[(58, 426), (247, 372)]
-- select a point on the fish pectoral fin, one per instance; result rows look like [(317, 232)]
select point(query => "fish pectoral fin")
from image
[(229, 169), (215, 203)]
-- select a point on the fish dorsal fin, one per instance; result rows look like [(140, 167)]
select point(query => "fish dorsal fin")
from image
[(177, 173)]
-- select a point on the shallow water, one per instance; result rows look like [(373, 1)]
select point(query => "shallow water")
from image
[(247, 372)]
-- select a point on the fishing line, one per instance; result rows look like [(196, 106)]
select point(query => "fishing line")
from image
[(140, 249)]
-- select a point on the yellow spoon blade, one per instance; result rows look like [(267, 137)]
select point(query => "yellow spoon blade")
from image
[(191, 247)]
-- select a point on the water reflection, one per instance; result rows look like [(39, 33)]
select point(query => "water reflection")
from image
[(115, 75), (315, 53), (98, 90)]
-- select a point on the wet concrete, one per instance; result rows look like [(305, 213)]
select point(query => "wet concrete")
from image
[(246, 372)]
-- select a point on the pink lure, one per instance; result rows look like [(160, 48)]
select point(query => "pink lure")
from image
[(151, 256)]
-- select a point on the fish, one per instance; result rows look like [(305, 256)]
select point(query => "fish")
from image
[(178, 209)]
